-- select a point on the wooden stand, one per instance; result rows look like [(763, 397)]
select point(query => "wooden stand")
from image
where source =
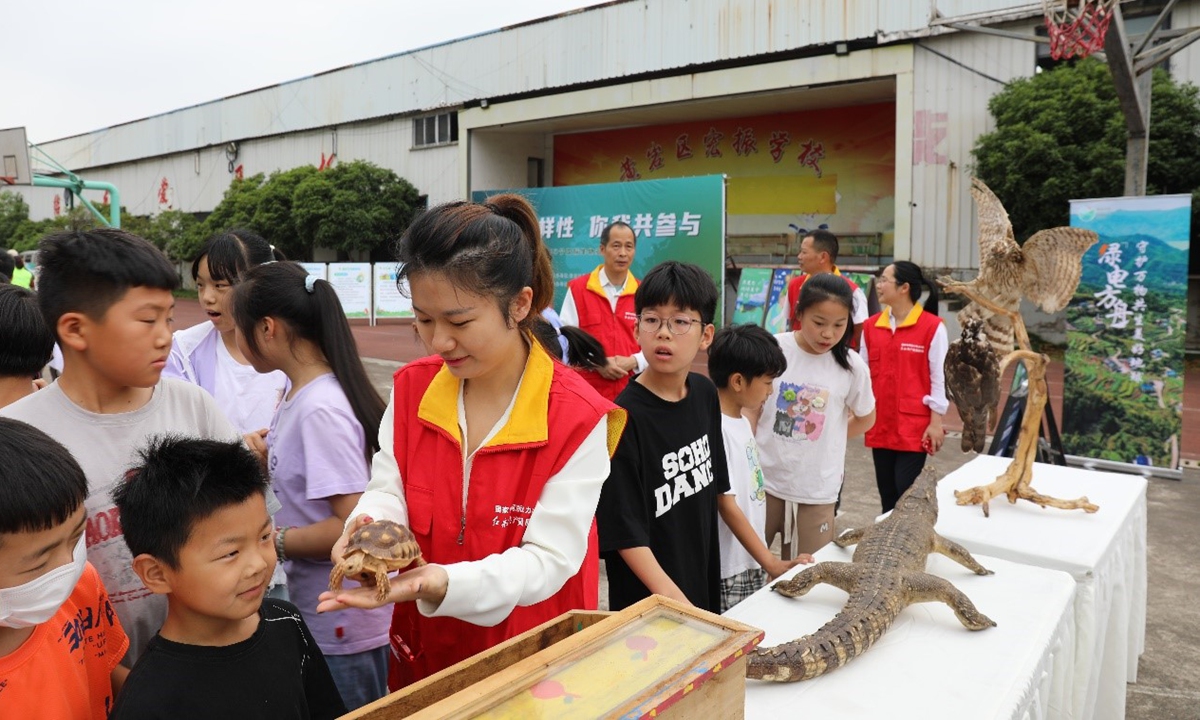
[(1015, 482), (591, 664)]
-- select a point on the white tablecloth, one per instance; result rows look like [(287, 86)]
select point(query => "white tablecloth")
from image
[(928, 666), (1104, 552)]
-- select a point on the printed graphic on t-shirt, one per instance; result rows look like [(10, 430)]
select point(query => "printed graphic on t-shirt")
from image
[(687, 471), (757, 493), (800, 411)]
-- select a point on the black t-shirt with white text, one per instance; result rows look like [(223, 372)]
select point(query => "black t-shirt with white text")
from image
[(667, 473), (278, 672)]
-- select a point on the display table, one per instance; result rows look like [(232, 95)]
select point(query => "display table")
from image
[(928, 666), (1105, 552)]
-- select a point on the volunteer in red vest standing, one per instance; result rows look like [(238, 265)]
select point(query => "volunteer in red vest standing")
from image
[(905, 347), (601, 303), (491, 452), (818, 254)]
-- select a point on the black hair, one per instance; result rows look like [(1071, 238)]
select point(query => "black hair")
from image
[(231, 253), (607, 231), (41, 485), (491, 248), (7, 263), (747, 350), (26, 342), (18, 261), (824, 241), (88, 271), (583, 350), (683, 284), (178, 482), (547, 337), (279, 290), (909, 272), (827, 286)]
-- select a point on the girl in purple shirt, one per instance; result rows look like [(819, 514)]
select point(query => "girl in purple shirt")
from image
[(317, 450)]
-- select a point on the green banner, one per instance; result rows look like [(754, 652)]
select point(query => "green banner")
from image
[(753, 287), (1123, 390), (676, 219)]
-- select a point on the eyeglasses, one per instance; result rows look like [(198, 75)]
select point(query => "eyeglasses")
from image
[(679, 325)]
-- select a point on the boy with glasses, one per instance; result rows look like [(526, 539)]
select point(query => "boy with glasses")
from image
[(657, 515)]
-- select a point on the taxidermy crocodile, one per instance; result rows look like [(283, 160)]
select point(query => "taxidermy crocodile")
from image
[(887, 574)]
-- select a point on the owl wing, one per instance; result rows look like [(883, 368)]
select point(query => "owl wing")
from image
[(995, 229), (1053, 264)]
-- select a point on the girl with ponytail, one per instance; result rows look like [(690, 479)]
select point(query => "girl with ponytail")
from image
[(491, 451), (905, 347), (318, 452)]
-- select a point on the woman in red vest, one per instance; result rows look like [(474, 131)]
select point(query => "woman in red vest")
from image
[(905, 347), (492, 452)]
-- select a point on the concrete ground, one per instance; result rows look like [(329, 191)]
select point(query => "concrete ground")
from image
[(1168, 686)]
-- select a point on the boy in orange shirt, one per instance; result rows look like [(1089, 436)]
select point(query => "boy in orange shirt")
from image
[(60, 641)]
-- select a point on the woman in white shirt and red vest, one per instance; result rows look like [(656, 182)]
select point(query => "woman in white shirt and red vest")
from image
[(905, 347), (491, 451)]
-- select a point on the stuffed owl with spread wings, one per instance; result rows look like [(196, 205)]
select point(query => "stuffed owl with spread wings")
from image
[(1045, 270)]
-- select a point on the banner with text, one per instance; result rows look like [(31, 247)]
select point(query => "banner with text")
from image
[(1123, 391), (390, 302), (352, 282), (679, 219)]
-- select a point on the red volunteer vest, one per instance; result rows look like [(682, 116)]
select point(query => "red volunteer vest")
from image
[(616, 331), (793, 291), (553, 413), (900, 378)]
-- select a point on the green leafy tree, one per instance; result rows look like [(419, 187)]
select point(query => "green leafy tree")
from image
[(1060, 135), (356, 206), (273, 213), (13, 212)]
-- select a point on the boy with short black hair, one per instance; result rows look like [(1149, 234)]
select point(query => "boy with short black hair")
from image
[(195, 519), (60, 642), (26, 343), (658, 510), (106, 294), (743, 362)]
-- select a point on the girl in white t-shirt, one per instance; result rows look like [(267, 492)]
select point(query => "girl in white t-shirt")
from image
[(823, 398), (206, 354)]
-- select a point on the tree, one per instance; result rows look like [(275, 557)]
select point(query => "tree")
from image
[(13, 212), (1060, 135), (356, 206), (273, 212)]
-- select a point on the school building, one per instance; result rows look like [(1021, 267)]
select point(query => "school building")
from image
[(855, 114)]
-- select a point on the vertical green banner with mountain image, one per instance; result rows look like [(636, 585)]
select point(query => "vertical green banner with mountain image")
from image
[(1123, 392)]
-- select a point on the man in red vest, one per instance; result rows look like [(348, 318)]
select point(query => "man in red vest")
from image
[(818, 254), (601, 302)]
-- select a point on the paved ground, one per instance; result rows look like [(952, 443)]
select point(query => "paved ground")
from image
[(1168, 686)]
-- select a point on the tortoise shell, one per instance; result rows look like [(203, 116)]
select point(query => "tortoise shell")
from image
[(385, 540)]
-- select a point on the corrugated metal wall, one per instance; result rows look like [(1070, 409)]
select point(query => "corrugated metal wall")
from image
[(954, 77), (608, 42), (196, 180)]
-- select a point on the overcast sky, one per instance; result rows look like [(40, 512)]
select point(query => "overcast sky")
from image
[(71, 67)]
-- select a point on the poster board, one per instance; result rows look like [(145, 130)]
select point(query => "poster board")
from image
[(321, 270), (753, 287), (675, 219), (390, 302), (1123, 389), (352, 282)]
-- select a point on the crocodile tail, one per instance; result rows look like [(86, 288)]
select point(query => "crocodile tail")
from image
[(851, 633)]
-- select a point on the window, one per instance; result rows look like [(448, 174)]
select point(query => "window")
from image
[(440, 129)]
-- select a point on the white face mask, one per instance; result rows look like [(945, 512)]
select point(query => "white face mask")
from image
[(36, 601)]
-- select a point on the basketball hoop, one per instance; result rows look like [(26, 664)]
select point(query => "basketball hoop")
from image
[(1077, 31)]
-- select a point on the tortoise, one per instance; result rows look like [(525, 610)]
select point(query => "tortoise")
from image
[(377, 549)]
